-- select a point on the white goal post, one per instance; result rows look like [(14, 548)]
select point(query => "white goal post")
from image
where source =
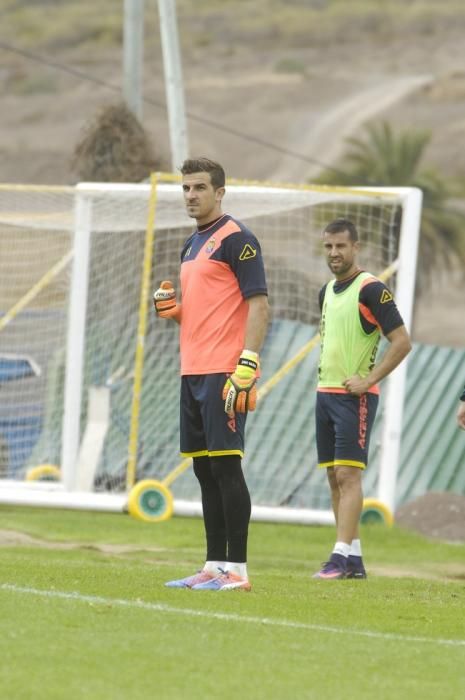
[(77, 268)]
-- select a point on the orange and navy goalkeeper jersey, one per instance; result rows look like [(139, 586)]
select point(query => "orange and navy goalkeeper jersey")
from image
[(221, 267)]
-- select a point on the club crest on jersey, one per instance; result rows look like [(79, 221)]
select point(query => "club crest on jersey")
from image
[(247, 252), (385, 297), (210, 247)]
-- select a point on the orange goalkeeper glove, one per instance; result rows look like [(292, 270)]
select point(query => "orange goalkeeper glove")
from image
[(164, 301), (240, 390)]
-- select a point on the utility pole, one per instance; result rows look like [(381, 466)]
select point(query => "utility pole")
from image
[(133, 55), (173, 82)]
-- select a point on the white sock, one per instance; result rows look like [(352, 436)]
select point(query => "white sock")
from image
[(236, 568), (341, 548), (213, 566), (356, 548)]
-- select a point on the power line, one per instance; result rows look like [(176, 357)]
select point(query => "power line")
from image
[(161, 105), (31, 56), (36, 58)]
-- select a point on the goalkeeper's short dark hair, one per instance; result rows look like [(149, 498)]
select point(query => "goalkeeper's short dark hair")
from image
[(205, 165), (340, 225)]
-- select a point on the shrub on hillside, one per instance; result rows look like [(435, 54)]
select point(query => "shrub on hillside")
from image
[(114, 148)]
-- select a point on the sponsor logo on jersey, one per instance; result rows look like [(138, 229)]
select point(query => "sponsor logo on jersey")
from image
[(247, 252), (188, 252), (385, 297), (232, 425)]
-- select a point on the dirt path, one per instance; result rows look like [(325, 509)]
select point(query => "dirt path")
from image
[(325, 142)]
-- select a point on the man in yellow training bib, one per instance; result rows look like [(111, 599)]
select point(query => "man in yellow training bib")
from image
[(355, 309)]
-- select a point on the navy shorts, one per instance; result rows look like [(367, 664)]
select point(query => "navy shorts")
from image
[(205, 428), (343, 428)]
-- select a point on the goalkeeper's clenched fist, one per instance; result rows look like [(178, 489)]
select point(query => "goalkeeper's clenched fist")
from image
[(164, 301), (240, 390)]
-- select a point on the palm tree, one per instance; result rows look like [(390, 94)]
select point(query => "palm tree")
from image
[(384, 158)]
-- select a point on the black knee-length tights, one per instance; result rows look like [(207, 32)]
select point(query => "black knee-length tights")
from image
[(226, 507)]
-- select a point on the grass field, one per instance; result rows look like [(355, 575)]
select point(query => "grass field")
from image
[(84, 614)]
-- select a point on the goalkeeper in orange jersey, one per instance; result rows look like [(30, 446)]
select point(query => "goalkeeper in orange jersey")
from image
[(223, 317), (355, 309)]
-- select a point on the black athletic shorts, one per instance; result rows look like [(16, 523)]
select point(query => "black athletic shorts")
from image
[(343, 428), (205, 428)]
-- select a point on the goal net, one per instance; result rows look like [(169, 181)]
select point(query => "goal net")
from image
[(89, 376)]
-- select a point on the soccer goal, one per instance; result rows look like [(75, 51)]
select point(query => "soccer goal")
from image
[(77, 269)]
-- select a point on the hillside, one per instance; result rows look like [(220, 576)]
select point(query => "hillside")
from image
[(272, 88)]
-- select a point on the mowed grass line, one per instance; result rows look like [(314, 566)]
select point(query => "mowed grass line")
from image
[(124, 635)]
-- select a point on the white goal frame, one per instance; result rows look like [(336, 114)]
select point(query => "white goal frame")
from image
[(67, 494)]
